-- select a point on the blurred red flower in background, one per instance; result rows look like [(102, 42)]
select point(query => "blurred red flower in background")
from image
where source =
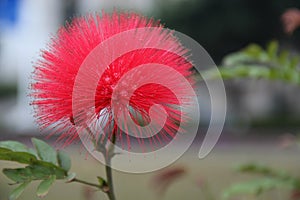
[(291, 20), (162, 181)]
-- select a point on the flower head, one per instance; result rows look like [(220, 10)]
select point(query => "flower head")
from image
[(55, 74)]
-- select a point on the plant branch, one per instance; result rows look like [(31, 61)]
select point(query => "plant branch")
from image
[(103, 187), (109, 178), (108, 153)]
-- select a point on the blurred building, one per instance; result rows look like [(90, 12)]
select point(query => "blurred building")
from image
[(20, 45)]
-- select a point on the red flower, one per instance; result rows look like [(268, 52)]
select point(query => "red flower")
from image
[(56, 71)]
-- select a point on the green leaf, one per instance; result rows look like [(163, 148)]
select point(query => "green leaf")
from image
[(272, 49), (70, 177), (258, 72), (45, 185), (21, 157), (235, 58), (45, 169), (33, 152), (4, 150), (42, 169), (253, 50), (294, 62), (18, 191), (29, 173), (64, 160), (101, 181), (14, 146), (283, 58), (38, 171), (18, 175), (45, 151), (103, 184)]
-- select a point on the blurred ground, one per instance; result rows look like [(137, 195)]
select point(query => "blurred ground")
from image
[(216, 170)]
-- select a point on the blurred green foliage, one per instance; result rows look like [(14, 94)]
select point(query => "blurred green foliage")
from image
[(256, 62), (270, 179), (271, 63)]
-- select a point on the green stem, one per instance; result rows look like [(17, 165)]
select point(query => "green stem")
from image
[(108, 153), (103, 187), (109, 179)]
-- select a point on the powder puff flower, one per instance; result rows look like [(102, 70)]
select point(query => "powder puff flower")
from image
[(56, 71)]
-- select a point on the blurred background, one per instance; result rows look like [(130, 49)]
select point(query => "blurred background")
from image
[(220, 26), (262, 115)]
